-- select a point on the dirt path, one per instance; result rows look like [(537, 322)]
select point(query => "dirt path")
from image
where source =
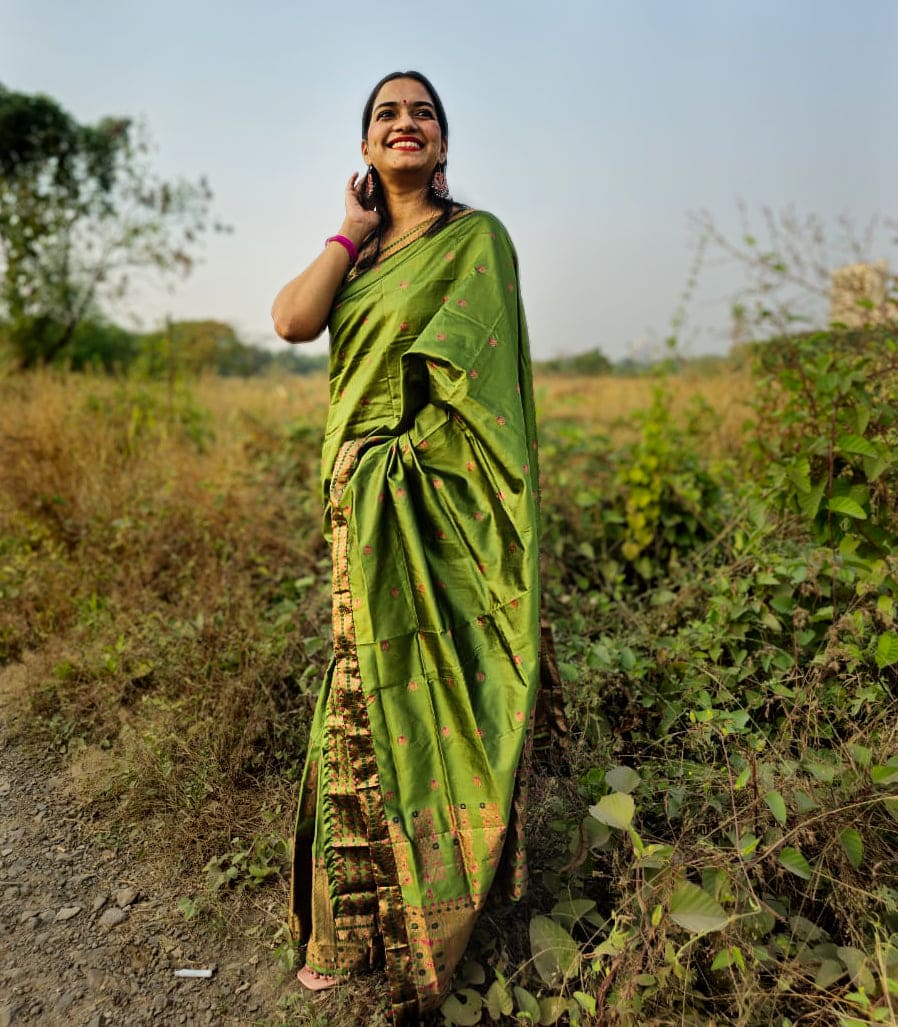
[(87, 936)]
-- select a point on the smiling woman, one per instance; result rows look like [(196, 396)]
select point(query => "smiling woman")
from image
[(410, 813)]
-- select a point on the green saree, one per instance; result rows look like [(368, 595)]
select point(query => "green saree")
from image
[(410, 804)]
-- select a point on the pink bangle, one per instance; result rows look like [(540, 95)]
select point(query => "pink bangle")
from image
[(347, 245)]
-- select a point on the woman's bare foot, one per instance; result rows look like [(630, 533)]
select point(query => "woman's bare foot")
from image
[(314, 981)]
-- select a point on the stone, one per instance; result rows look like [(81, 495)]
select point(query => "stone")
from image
[(112, 918), (17, 869), (65, 1000), (96, 979), (67, 912), (125, 897), (98, 903)]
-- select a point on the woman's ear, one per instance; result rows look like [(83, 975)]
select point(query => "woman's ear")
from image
[(365, 150)]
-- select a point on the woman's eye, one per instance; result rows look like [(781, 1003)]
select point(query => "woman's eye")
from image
[(424, 112), (384, 114)]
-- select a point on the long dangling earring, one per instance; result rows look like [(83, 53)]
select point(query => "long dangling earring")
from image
[(369, 183), (438, 183)]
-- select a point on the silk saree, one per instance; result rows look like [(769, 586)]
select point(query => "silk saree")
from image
[(410, 811)]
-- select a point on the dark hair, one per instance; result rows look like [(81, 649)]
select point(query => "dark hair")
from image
[(378, 199)]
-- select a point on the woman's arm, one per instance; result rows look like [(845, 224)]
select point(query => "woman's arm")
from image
[(300, 310)]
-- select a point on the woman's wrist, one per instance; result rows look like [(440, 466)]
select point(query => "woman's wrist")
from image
[(354, 232), (351, 249)]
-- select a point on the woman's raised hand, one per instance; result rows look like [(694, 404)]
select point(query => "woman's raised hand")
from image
[(301, 308), (359, 223)]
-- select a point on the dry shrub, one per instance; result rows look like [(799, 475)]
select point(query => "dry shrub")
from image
[(149, 557)]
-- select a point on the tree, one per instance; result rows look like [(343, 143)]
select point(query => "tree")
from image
[(790, 264), (81, 213)]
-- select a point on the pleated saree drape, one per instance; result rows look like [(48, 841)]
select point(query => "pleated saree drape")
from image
[(410, 801)]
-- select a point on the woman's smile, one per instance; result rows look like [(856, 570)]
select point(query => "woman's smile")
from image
[(406, 143)]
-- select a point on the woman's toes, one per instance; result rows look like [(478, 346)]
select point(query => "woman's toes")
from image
[(314, 981)]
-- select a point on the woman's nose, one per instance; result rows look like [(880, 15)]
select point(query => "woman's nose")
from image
[(404, 119)]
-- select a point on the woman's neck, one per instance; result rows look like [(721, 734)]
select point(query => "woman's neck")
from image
[(408, 207)]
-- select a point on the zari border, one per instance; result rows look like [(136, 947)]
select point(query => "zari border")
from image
[(351, 702)]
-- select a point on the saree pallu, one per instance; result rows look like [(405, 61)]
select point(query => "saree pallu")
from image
[(411, 800)]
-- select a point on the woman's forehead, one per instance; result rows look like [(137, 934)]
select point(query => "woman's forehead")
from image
[(402, 90)]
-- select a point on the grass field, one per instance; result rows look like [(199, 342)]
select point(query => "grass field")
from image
[(164, 583)]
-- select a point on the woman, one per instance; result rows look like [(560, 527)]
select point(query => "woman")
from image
[(410, 804)]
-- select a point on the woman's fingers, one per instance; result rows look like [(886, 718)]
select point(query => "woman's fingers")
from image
[(355, 209)]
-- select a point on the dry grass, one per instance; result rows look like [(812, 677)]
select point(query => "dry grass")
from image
[(607, 404), (144, 548), (164, 585), (151, 541)]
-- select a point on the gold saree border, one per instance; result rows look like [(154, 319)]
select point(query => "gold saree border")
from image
[(351, 702)]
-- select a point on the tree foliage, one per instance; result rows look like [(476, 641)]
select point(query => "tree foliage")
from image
[(81, 212)]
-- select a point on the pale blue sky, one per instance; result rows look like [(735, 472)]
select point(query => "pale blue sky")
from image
[(591, 129)]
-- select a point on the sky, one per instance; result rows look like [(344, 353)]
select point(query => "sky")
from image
[(594, 130)]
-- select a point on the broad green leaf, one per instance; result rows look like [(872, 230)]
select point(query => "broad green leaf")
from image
[(596, 834), (858, 967), (527, 1004), (884, 775), (748, 843), (587, 1002), (568, 911), (830, 971), (856, 444), (498, 1000), (722, 960), (800, 474), (860, 754), (848, 507), (887, 649), (728, 957), (555, 953), (873, 467), (891, 806), (623, 779), (551, 1009), (809, 502), (804, 929), (795, 863), (464, 1007), (777, 806), (852, 846), (743, 778), (615, 810), (695, 911), (824, 772)]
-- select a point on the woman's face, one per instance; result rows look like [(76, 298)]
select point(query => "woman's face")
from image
[(404, 136)]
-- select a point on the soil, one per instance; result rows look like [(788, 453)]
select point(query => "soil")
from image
[(89, 934)]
